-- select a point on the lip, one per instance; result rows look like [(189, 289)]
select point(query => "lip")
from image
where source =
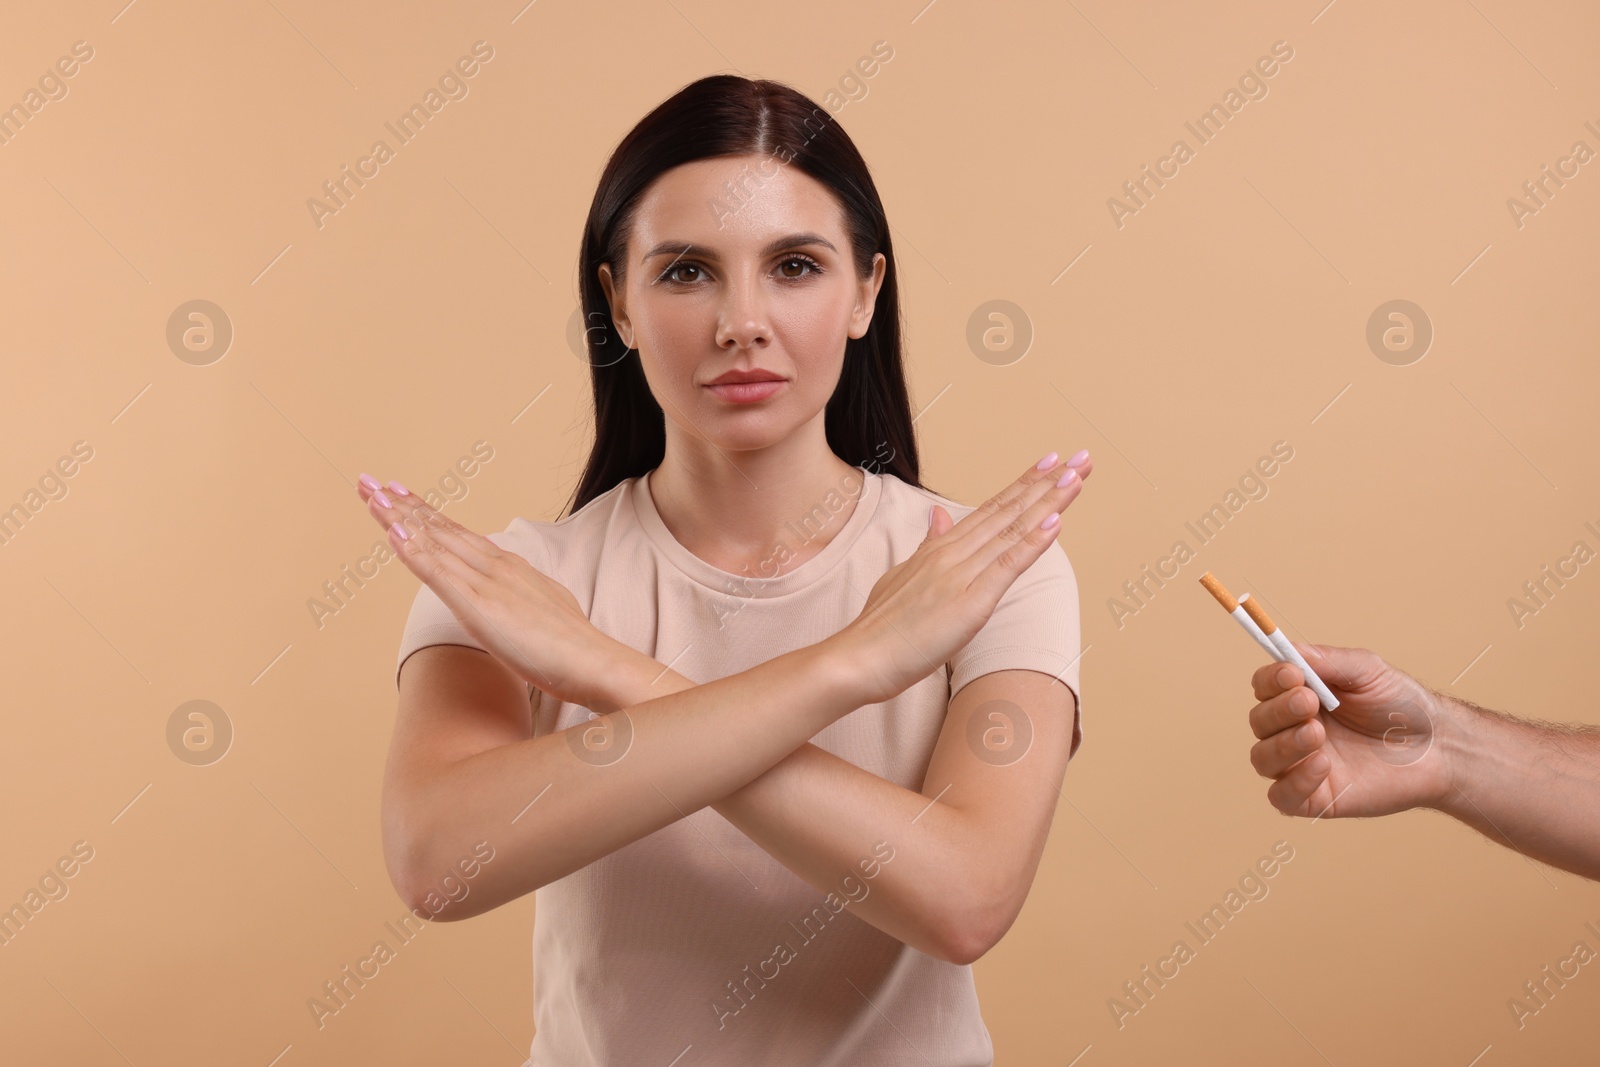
[(746, 392), (755, 374)]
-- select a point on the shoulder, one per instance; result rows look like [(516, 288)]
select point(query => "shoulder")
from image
[(909, 503), (544, 543), (902, 496), (904, 508)]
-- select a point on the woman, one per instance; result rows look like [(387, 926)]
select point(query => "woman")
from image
[(832, 726)]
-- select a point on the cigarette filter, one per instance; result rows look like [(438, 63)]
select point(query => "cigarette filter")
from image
[(1231, 606)]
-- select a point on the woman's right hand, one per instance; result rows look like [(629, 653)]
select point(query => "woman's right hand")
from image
[(929, 606)]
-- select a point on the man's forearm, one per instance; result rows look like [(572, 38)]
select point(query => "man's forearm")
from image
[(1532, 787)]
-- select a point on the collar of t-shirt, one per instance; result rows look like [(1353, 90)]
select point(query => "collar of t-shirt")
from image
[(756, 583)]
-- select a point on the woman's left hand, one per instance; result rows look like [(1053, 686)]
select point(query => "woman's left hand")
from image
[(525, 619)]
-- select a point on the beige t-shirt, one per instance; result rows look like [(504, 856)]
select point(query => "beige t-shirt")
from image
[(694, 937)]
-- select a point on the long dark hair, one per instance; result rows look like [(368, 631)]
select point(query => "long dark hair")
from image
[(869, 413)]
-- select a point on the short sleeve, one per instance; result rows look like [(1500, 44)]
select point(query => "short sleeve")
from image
[(431, 622), (1034, 627)]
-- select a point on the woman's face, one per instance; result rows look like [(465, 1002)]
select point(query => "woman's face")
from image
[(740, 264)]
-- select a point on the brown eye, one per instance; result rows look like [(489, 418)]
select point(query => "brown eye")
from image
[(670, 274), (804, 261)]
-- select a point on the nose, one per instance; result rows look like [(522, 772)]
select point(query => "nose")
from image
[(742, 319)]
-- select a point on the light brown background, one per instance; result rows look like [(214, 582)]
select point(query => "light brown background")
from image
[(1225, 316)]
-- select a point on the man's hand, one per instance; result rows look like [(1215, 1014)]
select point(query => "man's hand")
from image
[(1378, 752)]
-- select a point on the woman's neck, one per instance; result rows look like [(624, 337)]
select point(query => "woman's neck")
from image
[(738, 511)]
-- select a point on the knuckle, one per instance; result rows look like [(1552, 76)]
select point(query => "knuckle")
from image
[(417, 542), (1008, 558), (1005, 505)]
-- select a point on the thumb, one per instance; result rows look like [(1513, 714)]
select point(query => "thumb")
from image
[(939, 523), (1349, 669)]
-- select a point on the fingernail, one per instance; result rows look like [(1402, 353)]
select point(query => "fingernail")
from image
[(1050, 521), (1046, 463), (1283, 676), (1078, 457), (399, 528), (369, 481), (1302, 736), (381, 499), (398, 488), (1066, 478), (930, 516)]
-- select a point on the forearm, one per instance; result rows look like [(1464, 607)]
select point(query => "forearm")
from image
[(550, 806), (1531, 787), (822, 816)]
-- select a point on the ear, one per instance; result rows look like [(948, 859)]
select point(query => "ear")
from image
[(867, 298), (619, 314)]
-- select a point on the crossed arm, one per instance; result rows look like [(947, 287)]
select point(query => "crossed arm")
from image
[(966, 847)]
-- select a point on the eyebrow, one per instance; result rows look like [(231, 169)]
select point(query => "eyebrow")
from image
[(686, 248)]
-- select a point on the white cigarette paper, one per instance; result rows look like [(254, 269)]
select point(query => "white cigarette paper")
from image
[(1290, 654), (1255, 631), (1265, 633)]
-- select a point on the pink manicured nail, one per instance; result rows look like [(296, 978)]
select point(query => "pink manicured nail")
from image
[(398, 488), (1066, 478), (1046, 463), (369, 481), (399, 528), (381, 499), (1078, 457), (1050, 521)]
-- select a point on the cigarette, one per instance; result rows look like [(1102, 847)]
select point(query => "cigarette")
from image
[(1290, 653), (1231, 606)]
